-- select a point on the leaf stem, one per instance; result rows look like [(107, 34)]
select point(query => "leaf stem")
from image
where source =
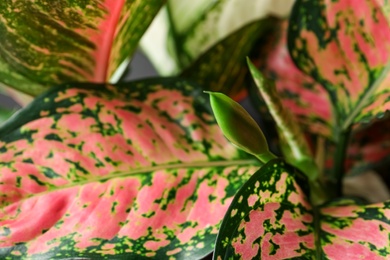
[(339, 160), (317, 231)]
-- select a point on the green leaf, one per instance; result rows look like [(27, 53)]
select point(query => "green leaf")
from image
[(344, 45), (239, 127), (116, 171), (45, 42), (222, 67), (271, 217)]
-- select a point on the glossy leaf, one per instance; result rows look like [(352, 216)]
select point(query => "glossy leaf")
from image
[(134, 170), (271, 218), (345, 45), (45, 42)]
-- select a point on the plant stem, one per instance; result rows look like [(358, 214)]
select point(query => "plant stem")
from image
[(317, 232), (339, 160)]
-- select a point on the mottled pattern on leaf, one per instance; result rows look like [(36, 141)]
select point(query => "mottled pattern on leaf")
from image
[(356, 231), (135, 17), (269, 217), (344, 45), (139, 169), (49, 42), (300, 94)]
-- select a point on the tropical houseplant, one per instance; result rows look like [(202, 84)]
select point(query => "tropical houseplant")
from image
[(141, 169)]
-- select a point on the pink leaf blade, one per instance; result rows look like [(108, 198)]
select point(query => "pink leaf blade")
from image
[(126, 170), (305, 98), (356, 231), (269, 217), (346, 51)]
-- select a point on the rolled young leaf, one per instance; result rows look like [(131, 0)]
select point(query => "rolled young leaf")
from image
[(239, 127), (116, 171)]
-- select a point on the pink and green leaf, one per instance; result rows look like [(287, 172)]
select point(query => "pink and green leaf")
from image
[(351, 230), (345, 46), (133, 170), (45, 42), (271, 217), (299, 93)]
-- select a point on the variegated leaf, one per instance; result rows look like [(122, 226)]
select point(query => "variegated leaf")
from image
[(271, 218), (50, 42), (300, 94), (344, 45), (101, 171), (310, 102), (354, 231)]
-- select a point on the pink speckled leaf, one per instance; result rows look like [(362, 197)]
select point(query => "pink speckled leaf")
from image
[(353, 231), (299, 93), (135, 170), (345, 46), (271, 218), (49, 42)]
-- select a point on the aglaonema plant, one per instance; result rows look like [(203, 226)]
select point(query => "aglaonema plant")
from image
[(141, 170)]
